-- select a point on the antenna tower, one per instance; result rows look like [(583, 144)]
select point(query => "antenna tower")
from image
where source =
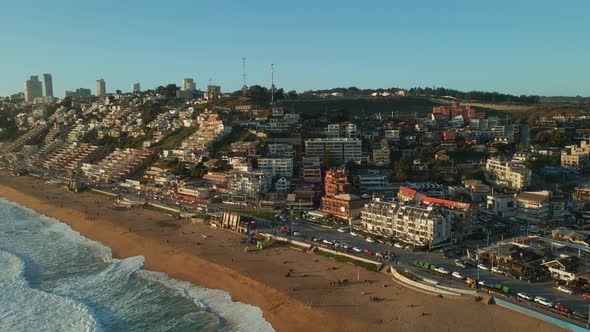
[(244, 85), (272, 80)]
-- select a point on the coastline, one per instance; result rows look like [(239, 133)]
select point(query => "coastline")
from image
[(257, 278)]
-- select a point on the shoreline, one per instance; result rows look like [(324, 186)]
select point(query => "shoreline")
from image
[(257, 278)]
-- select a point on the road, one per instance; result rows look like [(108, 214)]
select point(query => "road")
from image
[(546, 289)]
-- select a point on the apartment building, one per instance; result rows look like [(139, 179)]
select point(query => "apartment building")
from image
[(533, 207), (312, 170), (281, 150), (276, 166), (211, 128), (245, 188), (336, 182), (511, 173), (345, 206), (414, 224), (576, 156), (381, 153), (118, 165), (68, 157), (340, 150)]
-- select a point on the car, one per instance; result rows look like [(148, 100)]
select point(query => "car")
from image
[(458, 275), (326, 241), (543, 301), (408, 247), (354, 234), (470, 263), (498, 270), (342, 230), (380, 241), (442, 270), (299, 234), (294, 223), (586, 296), (367, 252), (562, 308), (524, 296), (460, 263), (565, 290), (357, 249), (485, 284), (317, 239), (378, 254), (398, 245), (370, 240), (482, 267)]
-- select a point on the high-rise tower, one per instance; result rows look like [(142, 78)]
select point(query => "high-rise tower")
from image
[(47, 85)]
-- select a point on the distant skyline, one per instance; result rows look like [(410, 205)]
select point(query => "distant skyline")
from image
[(524, 47)]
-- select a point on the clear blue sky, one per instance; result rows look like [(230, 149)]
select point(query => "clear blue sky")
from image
[(518, 46)]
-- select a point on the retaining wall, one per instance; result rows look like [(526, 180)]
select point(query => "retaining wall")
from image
[(104, 192), (295, 242), (420, 285), (163, 207), (334, 252)]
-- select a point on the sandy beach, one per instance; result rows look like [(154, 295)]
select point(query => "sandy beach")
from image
[(306, 301)]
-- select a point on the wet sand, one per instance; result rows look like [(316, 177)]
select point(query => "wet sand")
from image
[(305, 301)]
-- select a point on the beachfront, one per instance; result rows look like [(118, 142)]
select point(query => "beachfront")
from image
[(306, 300)]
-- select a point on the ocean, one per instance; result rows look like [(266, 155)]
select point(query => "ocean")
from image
[(54, 279)]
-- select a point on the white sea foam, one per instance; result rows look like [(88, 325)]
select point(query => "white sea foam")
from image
[(55, 272), (26, 309)]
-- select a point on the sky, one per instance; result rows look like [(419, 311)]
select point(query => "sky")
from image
[(518, 47)]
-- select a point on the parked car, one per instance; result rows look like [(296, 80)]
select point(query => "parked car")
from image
[(565, 290), (398, 245), (353, 234), (370, 240), (367, 252), (294, 223), (342, 230), (380, 241), (299, 234), (327, 242), (460, 263), (586, 296), (482, 267), (498, 270), (408, 247), (524, 296), (442, 270), (485, 284), (470, 263), (458, 275), (543, 301), (378, 254), (317, 239), (356, 249), (562, 308)]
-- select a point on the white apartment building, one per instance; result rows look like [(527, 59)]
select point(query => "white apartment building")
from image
[(276, 166), (341, 150), (413, 224), (576, 156), (281, 150), (510, 173)]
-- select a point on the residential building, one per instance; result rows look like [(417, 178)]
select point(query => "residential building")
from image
[(213, 92), (351, 131), (281, 150), (283, 185), (33, 89), (188, 84), (276, 166), (381, 153), (576, 156), (118, 165), (511, 173), (345, 206), (47, 85), (533, 207), (312, 170), (503, 206), (245, 188), (101, 89), (336, 182), (333, 130), (377, 184), (135, 87), (414, 224), (338, 150)]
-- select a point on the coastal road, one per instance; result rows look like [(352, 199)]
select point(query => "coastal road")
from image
[(546, 289)]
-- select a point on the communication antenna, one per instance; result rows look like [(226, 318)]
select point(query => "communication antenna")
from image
[(272, 80), (244, 85)]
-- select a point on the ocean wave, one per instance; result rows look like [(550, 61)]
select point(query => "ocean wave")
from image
[(234, 316), (27, 309), (80, 280)]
